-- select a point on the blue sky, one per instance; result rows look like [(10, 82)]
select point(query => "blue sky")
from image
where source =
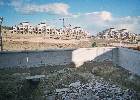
[(92, 15)]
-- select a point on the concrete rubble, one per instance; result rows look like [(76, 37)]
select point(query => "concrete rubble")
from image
[(91, 81), (95, 90)]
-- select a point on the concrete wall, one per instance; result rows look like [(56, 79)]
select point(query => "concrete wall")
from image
[(55, 57), (129, 59), (100, 54), (35, 58), (126, 58)]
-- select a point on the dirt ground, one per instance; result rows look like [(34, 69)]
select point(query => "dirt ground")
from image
[(41, 43)]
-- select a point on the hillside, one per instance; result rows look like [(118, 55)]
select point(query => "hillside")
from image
[(121, 34)]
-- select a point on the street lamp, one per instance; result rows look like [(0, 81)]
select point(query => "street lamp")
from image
[(1, 20)]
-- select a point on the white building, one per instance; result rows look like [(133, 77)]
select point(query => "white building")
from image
[(122, 34), (47, 31)]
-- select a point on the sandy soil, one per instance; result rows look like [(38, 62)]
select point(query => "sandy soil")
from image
[(41, 43)]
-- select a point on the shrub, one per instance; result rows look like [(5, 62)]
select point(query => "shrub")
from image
[(94, 44)]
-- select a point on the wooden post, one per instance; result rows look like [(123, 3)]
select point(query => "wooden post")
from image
[(1, 44)]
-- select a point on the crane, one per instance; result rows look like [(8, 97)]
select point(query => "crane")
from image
[(63, 20)]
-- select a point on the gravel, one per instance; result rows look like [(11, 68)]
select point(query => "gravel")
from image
[(94, 90)]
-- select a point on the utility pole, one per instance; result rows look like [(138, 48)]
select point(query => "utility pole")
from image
[(1, 44)]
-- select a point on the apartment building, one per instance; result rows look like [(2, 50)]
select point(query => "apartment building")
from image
[(122, 34), (44, 29)]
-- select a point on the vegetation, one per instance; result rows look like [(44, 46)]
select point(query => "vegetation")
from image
[(6, 27), (94, 44)]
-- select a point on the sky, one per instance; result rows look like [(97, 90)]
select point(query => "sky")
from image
[(92, 15)]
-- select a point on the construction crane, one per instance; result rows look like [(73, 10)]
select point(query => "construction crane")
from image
[(63, 20)]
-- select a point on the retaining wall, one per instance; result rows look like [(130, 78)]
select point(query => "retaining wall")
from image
[(129, 59), (99, 54), (54, 57), (35, 58), (126, 58)]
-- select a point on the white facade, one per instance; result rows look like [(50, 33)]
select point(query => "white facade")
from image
[(113, 33), (44, 29)]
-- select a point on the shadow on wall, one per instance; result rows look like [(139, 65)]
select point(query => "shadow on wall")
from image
[(35, 58), (57, 57), (126, 58), (130, 60), (98, 54)]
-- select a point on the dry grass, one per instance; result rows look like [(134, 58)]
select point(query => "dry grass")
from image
[(41, 43)]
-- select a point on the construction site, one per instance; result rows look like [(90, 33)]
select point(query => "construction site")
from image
[(70, 74), (43, 63), (69, 49), (37, 66)]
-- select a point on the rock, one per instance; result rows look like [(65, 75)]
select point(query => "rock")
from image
[(76, 84), (61, 90), (100, 90)]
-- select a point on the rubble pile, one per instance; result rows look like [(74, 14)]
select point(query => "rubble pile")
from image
[(91, 81), (95, 90)]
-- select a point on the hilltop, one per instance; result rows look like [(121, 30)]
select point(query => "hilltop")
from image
[(118, 34)]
